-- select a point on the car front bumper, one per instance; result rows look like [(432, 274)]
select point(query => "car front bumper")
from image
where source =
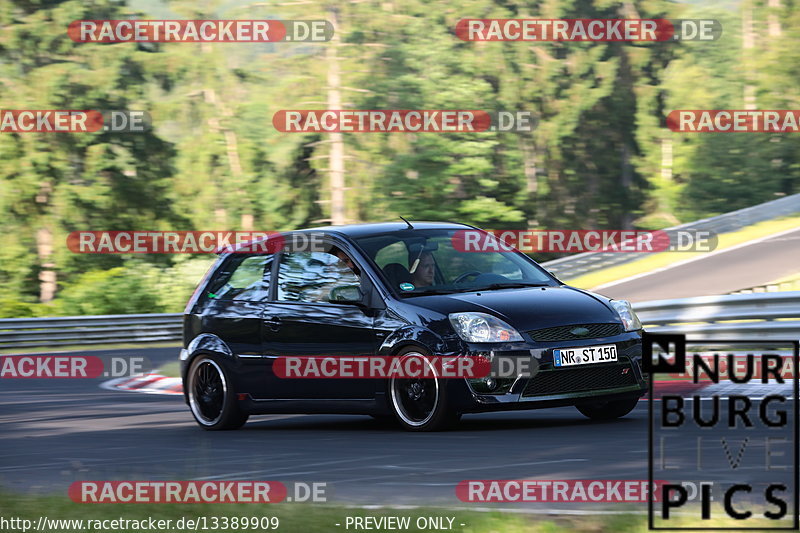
[(551, 386)]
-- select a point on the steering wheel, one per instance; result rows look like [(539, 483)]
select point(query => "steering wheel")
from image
[(461, 278)]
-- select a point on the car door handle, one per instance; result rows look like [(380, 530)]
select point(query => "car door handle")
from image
[(274, 323)]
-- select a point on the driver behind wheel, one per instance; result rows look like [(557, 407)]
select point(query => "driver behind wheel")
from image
[(422, 269)]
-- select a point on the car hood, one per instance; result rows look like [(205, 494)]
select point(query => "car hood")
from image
[(526, 309)]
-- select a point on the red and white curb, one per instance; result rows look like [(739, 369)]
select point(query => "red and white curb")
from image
[(754, 390), (147, 383)]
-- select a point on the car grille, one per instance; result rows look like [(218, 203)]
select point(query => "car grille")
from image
[(564, 333), (589, 378)]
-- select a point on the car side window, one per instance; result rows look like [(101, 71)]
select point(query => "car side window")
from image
[(313, 276), (244, 277)]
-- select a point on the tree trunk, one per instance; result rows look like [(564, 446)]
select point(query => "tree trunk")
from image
[(336, 162), (47, 275), (748, 43), (528, 149), (666, 158), (626, 181), (773, 20)]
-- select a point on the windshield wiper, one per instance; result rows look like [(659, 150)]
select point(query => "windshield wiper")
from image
[(511, 285), (493, 286), (431, 292)]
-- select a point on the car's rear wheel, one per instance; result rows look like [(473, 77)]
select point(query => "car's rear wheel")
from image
[(420, 404), (608, 410), (211, 396)]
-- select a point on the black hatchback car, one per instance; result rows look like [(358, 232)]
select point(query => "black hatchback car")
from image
[(399, 289)]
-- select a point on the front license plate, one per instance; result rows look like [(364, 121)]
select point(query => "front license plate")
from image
[(584, 356)]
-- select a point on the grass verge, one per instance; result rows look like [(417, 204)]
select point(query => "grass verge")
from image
[(170, 370)]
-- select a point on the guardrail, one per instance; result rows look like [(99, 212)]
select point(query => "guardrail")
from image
[(579, 264), (16, 333), (774, 315)]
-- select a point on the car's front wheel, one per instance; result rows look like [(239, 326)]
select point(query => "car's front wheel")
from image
[(608, 410), (420, 404), (211, 396)]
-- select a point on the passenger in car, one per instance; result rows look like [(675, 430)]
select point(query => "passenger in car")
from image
[(344, 258)]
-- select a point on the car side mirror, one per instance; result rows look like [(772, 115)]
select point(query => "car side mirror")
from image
[(347, 294)]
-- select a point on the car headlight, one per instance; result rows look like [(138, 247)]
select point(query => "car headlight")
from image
[(480, 327), (626, 314)]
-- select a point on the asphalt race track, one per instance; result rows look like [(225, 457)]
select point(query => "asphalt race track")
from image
[(56, 431), (719, 273)]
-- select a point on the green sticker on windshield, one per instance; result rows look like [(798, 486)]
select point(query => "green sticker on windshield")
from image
[(407, 286)]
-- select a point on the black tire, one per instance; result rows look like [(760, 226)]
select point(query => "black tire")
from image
[(608, 410), (212, 399), (420, 404)]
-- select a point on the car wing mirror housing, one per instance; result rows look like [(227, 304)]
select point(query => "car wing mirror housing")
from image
[(365, 297), (347, 294)]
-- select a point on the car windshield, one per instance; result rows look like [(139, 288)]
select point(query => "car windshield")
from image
[(435, 261)]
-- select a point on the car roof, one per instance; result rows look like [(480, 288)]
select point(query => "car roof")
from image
[(355, 231)]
